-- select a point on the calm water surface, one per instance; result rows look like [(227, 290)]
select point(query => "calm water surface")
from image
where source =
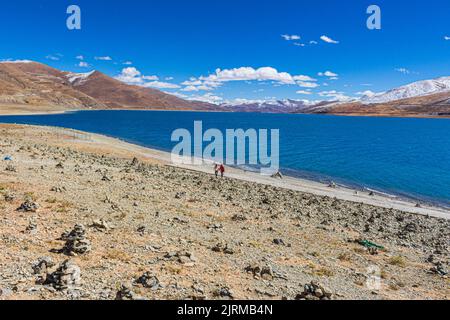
[(407, 157)]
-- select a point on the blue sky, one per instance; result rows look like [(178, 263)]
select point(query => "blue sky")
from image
[(177, 46)]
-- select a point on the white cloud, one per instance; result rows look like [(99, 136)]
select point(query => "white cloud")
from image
[(250, 74), (299, 44), (83, 64), (303, 78), (133, 76), (328, 74), (160, 85), (303, 92), (247, 74), (80, 57), (403, 70), (328, 39), (367, 93), (150, 78), (447, 38), (313, 42), (208, 97), (288, 37), (105, 58), (127, 63), (335, 95), (304, 84), (55, 57)]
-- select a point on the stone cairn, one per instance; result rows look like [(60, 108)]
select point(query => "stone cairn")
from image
[(28, 206), (67, 276), (147, 280), (315, 291), (76, 242), (125, 293), (41, 267)]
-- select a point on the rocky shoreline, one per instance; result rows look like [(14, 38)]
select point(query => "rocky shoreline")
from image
[(84, 220)]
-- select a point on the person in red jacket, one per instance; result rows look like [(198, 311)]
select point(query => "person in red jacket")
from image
[(222, 170)]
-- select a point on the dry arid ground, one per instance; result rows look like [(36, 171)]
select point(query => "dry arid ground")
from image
[(191, 235)]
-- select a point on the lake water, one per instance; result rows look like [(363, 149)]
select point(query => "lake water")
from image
[(401, 156)]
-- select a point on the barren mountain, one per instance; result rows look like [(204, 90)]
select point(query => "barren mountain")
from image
[(116, 94), (437, 104), (35, 84), (39, 85)]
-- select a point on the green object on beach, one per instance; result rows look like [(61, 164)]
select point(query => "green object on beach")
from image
[(368, 244)]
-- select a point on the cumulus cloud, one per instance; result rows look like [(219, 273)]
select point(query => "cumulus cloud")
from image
[(55, 57), (247, 74), (208, 97), (303, 92), (329, 74), (83, 64), (127, 63), (328, 39), (335, 95), (160, 85), (288, 37), (304, 84), (367, 93), (403, 70), (105, 58), (133, 76), (447, 38), (313, 42), (80, 57)]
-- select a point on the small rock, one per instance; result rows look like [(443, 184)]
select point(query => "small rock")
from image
[(67, 276), (28, 206)]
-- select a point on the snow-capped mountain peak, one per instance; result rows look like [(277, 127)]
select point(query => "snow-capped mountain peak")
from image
[(78, 78), (416, 89)]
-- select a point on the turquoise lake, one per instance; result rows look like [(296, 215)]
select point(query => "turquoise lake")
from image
[(400, 156)]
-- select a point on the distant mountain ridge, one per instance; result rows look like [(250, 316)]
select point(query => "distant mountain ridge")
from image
[(422, 98), (32, 83), (35, 84)]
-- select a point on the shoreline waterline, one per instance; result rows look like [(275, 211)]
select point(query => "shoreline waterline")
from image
[(288, 182)]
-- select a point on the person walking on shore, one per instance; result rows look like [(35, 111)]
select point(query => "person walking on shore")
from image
[(222, 170), (216, 170)]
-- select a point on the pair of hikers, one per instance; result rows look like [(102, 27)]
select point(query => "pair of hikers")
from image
[(219, 168)]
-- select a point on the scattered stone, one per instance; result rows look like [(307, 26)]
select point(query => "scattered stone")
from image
[(42, 265), (32, 227), (125, 293), (58, 189), (223, 247), (265, 272), (224, 292), (439, 269), (67, 276), (180, 195), (9, 197), (134, 162), (141, 230), (315, 291), (60, 166), (10, 168), (280, 242), (147, 280), (239, 217), (183, 257), (76, 242), (28, 206), (101, 225)]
